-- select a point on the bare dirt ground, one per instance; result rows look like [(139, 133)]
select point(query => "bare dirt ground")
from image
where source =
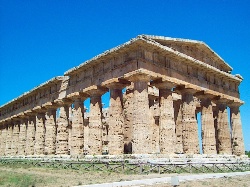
[(42, 177)]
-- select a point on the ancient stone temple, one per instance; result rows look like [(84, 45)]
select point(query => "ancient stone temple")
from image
[(157, 86)]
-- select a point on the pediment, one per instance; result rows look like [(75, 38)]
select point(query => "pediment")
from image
[(195, 49)]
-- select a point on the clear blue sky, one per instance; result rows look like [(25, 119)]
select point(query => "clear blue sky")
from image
[(41, 39)]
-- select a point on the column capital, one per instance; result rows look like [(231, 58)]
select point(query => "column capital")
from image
[(138, 76), (77, 95), (236, 104), (39, 109), (50, 105), (162, 83), (63, 102), (95, 90), (116, 83)]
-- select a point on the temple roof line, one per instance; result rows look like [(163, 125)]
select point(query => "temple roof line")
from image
[(53, 80), (154, 37)]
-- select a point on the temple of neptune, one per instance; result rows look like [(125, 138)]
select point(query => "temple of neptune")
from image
[(157, 86)]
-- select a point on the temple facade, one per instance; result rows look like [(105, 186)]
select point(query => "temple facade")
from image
[(157, 86)]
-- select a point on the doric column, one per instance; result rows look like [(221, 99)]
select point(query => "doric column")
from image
[(8, 138), (95, 119), (166, 121), (77, 131), (3, 138), (15, 137), (50, 126), (154, 122), (62, 146), (237, 136), (222, 127), (22, 135), (40, 131), (128, 117), (141, 135), (189, 122), (30, 137), (178, 125), (116, 118)]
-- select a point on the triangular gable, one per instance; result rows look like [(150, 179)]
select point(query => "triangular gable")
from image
[(196, 49)]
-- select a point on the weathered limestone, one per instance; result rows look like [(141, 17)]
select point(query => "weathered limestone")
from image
[(166, 121), (222, 128), (116, 118), (95, 119), (22, 136), (77, 132), (237, 136), (149, 118), (178, 125), (15, 136), (208, 130), (30, 137), (141, 134), (50, 126), (62, 146), (189, 123), (154, 122), (3, 137), (8, 139), (128, 116), (40, 134)]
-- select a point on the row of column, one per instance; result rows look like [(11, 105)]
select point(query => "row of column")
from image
[(37, 132)]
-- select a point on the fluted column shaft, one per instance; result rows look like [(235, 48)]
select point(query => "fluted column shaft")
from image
[(95, 125), (167, 124), (8, 139), (208, 130), (237, 136), (29, 148), (15, 137), (50, 135), (189, 124), (40, 134), (62, 146), (116, 122), (223, 131), (178, 126), (3, 139), (22, 137), (142, 138), (77, 134)]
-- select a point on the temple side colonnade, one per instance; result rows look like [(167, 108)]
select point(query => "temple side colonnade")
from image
[(157, 86)]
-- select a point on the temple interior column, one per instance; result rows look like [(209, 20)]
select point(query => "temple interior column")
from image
[(50, 126), (223, 132), (22, 136), (128, 117), (237, 136), (62, 138), (189, 123), (178, 125), (154, 122), (141, 131), (40, 134), (15, 137), (207, 126)]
